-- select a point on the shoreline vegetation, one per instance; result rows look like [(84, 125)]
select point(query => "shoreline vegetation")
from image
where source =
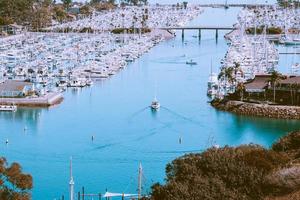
[(246, 172)]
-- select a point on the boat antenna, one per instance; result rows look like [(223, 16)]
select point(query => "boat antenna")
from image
[(71, 183), (140, 174)]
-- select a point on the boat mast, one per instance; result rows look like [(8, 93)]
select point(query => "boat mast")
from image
[(211, 66), (140, 181), (71, 183)]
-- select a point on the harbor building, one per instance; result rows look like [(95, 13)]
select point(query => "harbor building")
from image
[(16, 89), (11, 29), (285, 92)]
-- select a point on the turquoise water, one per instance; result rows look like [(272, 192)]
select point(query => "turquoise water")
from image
[(116, 113)]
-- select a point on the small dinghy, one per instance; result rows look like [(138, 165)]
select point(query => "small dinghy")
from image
[(191, 62)]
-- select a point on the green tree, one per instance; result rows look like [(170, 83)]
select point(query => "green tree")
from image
[(59, 13), (274, 80), (185, 3), (227, 74), (240, 88), (14, 184), (67, 3), (18, 11), (85, 10)]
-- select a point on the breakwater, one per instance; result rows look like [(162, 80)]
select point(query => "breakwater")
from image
[(260, 110)]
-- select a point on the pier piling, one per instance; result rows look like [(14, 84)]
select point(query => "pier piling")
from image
[(217, 33), (82, 193), (199, 34), (182, 34), (78, 195)]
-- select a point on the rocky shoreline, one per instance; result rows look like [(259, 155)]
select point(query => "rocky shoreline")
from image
[(259, 110)]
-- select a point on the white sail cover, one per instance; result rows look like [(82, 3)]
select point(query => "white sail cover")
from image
[(109, 194)]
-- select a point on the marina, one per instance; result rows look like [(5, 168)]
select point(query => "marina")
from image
[(114, 106)]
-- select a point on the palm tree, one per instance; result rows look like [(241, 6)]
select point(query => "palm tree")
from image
[(274, 80), (227, 75), (240, 88)]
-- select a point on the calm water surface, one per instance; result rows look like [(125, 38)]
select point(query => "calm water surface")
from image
[(126, 132)]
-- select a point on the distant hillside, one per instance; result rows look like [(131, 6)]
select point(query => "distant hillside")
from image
[(247, 172)]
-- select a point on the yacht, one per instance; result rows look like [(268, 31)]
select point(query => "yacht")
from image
[(155, 105), (76, 83), (62, 83), (212, 84), (89, 82), (10, 108), (288, 40)]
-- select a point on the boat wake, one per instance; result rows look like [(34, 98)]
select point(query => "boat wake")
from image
[(181, 116), (152, 133), (167, 152), (137, 113), (105, 146)]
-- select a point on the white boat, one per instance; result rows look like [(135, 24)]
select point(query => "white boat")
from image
[(191, 62), (62, 83), (10, 108), (76, 83), (155, 105), (288, 40), (212, 84), (89, 82)]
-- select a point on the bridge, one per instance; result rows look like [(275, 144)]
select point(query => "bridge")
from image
[(233, 5), (199, 28)]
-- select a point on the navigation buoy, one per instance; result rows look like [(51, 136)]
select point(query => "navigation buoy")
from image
[(6, 142)]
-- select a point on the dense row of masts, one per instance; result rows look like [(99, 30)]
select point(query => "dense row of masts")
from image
[(107, 197)]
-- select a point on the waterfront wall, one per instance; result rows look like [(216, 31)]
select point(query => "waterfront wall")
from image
[(260, 110), (47, 100)]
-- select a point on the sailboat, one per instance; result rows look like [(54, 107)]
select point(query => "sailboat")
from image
[(212, 84), (155, 105), (226, 5)]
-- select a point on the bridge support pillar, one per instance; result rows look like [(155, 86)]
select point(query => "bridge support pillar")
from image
[(199, 34), (217, 33), (182, 34)]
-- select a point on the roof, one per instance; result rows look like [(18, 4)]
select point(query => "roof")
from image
[(258, 83), (15, 26), (12, 85), (291, 80)]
